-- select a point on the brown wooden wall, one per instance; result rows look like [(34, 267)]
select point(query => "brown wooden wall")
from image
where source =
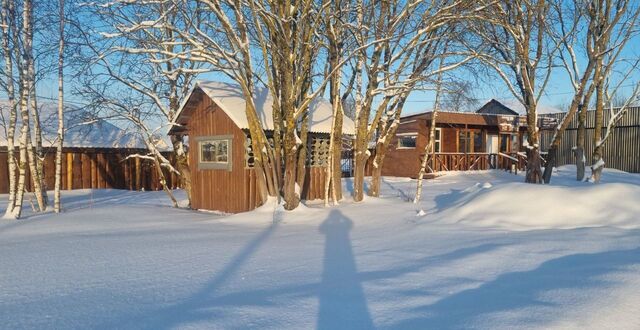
[(406, 162), (236, 190), (219, 189), (95, 169)]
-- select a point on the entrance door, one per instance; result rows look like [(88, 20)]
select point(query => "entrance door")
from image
[(493, 143)]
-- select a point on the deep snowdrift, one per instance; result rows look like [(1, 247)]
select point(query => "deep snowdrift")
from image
[(522, 206), (118, 259)]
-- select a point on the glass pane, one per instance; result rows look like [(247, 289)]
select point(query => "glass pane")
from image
[(477, 142), (222, 153), (437, 134), (463, 141), (215, 151), (437, 146), (504, 140), (408, 142), (514, 143), (208, 151)]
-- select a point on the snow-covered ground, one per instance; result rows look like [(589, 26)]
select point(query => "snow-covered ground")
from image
[(490, 253)]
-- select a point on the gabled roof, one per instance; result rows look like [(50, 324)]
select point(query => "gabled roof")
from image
[(496, 108), (513, 107), (231, 100), (82, 129)]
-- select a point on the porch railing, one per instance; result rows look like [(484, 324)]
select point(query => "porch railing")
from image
[(452, 161)]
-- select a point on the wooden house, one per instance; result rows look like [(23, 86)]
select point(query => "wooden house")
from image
[(491, 137), (94, 154), (220, 157)]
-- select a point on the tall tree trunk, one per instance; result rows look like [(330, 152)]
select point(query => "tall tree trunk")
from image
[(429, 148), (163, 180), (24, 111), (42, 197), (388, 131), (302, 151), (7, 13), (361, 156), (291, 195), (534, 161), (57, 205), (597, 161), (182, 164), (580, 143)]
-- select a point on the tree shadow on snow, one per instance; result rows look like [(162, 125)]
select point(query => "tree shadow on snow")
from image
[(197, 307), (518, 290), (341, 297)]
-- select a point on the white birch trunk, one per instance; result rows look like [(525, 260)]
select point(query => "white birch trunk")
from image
[(7, 10), (60, 141), (24, 113)]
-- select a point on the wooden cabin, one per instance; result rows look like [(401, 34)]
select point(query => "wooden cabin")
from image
[(220, 157), (94, 155), (491, 137)]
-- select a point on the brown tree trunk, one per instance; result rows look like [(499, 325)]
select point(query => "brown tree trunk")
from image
[(597, 161), (302, 152), (291, 196), (360, 157), (182, 165), (580, 143), (376, 180)]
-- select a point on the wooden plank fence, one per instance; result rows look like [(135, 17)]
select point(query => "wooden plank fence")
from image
[(621, 151), (96, 169)]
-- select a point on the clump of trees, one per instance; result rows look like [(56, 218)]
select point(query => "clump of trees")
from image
[(136, 61), (25, 24)]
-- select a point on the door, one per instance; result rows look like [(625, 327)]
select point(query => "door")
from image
[(493, 145)]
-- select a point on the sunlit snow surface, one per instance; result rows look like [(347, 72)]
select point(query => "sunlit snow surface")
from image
[(489, 253)]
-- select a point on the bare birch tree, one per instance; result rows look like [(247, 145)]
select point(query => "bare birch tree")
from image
[(8, 50), (127, 50), (411, 36), (60, 133), (429, 150), (521, 53)]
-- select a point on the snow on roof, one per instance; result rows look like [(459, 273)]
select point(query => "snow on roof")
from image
[(231, 100), (82, 129), (516, 106)]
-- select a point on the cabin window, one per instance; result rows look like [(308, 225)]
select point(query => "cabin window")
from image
[(437, 142), (470, 141), (407, 141), (214, 152)]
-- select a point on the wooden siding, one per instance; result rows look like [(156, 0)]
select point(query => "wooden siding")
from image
[(95, 169), (220, 189), (621, 151), (406, 161)]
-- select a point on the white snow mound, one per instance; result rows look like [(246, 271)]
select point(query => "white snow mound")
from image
[(529, 206)]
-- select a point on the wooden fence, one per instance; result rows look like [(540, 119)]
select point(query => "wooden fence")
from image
[(96, 168), (621, 151)]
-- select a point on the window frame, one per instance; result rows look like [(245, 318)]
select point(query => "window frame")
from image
[(401, 136), (437, 140), (215, 165), (469, 137)]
